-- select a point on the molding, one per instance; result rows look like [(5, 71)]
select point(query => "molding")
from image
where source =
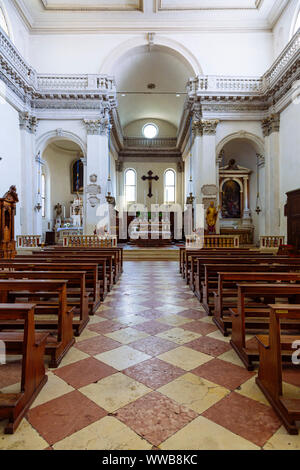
[(83, 6), (28, 122), (271, 124), (159, 6)]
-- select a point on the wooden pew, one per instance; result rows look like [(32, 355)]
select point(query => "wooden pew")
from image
[(118, 250), (272, 348), (185, 253), (210, 283), (275, 260), (105, 276), (61, 338), (29, 343), (92, 283), (257, 317), (190, 257), (112, 268), (221, 315), (75, 287)]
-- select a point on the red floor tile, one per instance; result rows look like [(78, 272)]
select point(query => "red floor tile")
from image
[(199, 327), (84, 372), (153, 345), (154, 373), (64, 416), (107, 326), (155, 417), (210, 346), (152, 327), (97, 345), (247, 418), (223, 373)]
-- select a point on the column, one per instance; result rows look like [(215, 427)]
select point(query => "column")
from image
[(271, 126), (97, 169), (31, 219)]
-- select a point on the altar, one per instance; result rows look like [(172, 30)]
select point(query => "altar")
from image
[(150, 233)]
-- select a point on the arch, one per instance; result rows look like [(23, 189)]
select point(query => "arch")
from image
[(181, 51), (257, 142), (233, 179), (51, 136)]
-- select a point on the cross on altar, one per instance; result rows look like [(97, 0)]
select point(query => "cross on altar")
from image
[(150, 178)]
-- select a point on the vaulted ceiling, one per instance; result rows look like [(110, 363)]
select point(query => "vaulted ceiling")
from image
[(150, 15)]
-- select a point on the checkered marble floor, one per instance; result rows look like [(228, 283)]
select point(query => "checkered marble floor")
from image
[(150, 371)]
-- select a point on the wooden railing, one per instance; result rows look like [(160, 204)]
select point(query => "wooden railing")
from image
[(212, 241), (28, 241), (271, 241), (90, 241)]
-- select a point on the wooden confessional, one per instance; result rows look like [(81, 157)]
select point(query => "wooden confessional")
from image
[(7, 223)]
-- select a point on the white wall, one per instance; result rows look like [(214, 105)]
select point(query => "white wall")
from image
[(289, 156), (218, 53), (10, 152), (158, 169), (284, 28)]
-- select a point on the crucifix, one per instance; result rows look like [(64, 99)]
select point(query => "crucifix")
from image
[(150, 178)]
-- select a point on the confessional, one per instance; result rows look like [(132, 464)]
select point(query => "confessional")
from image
[(7, 224), (292, 211)]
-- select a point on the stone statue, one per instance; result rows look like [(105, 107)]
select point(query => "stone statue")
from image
[(211, 218), (58, 210)]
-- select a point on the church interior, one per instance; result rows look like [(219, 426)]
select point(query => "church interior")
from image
[(149, 225)]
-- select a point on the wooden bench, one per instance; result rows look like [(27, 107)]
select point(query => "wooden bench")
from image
[(105, 275), (209, 287), (61, 337), (29, 343), (258, 318), (75, 287), (227, 298), (201, 262), (271, 350), (92, 283), (118, 250)]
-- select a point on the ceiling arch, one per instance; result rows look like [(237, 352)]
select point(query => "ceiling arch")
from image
[(151, 81)]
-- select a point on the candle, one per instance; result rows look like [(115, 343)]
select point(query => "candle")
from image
[(64, 212)]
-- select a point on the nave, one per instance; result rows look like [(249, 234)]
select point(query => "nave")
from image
[(149, 371)]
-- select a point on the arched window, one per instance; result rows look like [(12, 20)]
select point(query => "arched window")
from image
[(169, 186), (77, 177), (3, 22), (130, 185), (43, 194)]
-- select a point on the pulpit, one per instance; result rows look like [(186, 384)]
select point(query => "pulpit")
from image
[(7, 223)]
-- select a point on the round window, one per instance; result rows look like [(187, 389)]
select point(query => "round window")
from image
[(150, 131)]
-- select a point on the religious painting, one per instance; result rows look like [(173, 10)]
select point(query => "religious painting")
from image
[(77, 177), (231, 200)]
